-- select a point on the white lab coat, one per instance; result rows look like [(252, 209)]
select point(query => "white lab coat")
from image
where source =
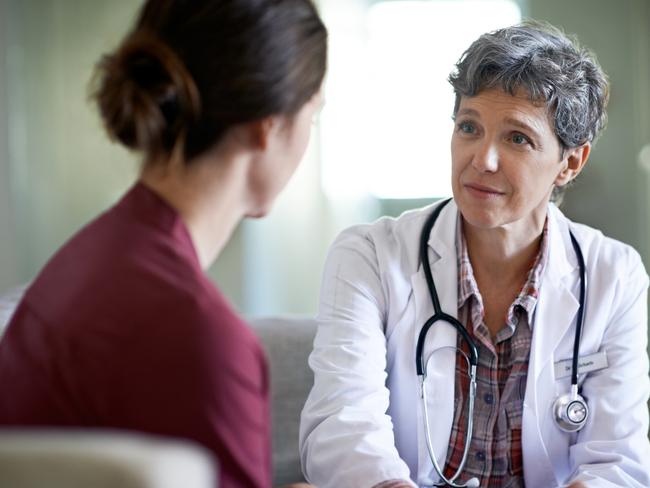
[(362, 422)]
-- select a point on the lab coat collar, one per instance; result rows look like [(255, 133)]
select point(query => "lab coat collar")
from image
[(558, 302), (443, 236), (562, 259)]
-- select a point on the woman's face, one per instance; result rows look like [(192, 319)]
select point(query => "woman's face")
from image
[(506, 159)]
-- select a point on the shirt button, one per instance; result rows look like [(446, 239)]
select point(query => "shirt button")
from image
[(488, 398), (480, 456)]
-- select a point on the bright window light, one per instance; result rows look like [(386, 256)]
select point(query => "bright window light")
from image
[(386, 126)]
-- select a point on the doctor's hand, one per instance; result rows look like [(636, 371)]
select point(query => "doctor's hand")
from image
[(577, 484)]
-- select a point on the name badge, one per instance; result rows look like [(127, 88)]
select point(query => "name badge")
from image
[(586, 364)]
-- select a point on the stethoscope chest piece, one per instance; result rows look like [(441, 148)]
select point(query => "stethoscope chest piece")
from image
[(570, 412)]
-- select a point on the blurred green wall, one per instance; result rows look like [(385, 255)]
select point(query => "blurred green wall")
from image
[(612, 193), (58, 168)]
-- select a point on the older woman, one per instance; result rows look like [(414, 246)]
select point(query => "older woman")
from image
[(488, 341)]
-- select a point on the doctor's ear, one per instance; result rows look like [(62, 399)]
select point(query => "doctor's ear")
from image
[(573, 160)]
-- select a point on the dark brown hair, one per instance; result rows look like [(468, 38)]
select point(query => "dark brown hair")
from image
[(191, 69)]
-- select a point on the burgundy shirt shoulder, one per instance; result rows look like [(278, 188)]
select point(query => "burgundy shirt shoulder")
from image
[(122, 329)]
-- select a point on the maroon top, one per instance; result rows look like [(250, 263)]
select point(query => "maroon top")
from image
[(122, 329)]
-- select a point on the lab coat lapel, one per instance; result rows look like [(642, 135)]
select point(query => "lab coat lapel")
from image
[(556, 310), (557, 304), (441, 367)]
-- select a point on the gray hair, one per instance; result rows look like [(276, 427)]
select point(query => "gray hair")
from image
[(552, 68)]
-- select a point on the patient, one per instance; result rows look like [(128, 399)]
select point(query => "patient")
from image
[(122, 328)]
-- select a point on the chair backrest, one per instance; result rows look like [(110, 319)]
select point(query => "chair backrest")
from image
[(288, 342), (100, 459)]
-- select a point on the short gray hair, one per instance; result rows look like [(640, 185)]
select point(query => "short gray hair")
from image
[(549, 66)]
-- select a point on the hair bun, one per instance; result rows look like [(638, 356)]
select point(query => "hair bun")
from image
[(146, 96)]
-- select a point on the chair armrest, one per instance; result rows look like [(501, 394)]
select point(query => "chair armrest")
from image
[(40, 458)]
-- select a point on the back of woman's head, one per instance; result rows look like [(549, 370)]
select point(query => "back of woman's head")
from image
[(191, 69)]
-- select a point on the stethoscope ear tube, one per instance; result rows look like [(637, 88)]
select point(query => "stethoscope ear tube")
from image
[(424, 254), (579, 322), (438, 315)]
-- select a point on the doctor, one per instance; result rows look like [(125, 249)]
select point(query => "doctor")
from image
[(529, 105)]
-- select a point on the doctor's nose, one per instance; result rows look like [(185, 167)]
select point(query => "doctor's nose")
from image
[(486, 158)]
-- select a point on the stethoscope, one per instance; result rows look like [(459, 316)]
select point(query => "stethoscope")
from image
[(570, 410)]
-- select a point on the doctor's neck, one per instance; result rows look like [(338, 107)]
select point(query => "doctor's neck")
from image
[(504, 253)]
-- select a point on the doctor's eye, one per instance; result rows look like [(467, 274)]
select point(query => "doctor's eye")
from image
[(466, 127), (520, 139)]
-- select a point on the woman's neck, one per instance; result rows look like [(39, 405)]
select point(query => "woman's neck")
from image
[(208, 194)]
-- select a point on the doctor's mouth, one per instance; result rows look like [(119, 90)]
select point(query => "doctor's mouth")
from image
[(483, 192)]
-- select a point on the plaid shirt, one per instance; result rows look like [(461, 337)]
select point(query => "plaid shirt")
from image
[(495, 456)]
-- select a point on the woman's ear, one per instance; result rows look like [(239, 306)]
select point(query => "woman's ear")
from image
[(573, 161), (260, 132)]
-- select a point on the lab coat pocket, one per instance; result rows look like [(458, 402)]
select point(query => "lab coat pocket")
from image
[(515, 461)]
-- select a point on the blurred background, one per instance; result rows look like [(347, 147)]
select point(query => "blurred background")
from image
[(381, 144)]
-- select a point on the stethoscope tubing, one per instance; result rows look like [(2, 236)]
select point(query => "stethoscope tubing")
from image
[(439, 315), (579, 323), (433, 293)]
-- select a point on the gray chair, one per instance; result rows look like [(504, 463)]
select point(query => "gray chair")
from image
[(288, 342)]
